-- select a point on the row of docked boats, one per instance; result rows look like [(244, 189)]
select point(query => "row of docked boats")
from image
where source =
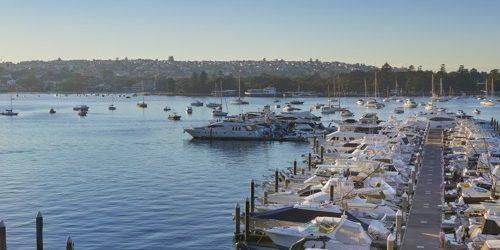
[(471, 185), (355, 188), (263, 125), (348, 193)]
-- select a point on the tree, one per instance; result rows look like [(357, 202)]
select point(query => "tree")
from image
[(411, 68), (442, 69)]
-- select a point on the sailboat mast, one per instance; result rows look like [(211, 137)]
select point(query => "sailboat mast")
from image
[(486, 87), (441, 86), (432, 84), (366, 89), (492, 87), (397, 90), (376, 84), (239, 87)]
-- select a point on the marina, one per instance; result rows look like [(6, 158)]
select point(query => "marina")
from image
[(155, 178)]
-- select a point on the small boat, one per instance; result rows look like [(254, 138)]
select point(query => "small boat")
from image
[(52, 111), (111, 107), (346, 113), (460, 112), (276, 100), (360, 102), (213, 105), (409, 103), (166, 108), (81, 107), (174, 117), (9, 112), (297, 102), (476, 111), (82, 113), (488, 103), (218, 112), (399, 110), (290, 108), (142, 104), (386, 100), (189, 110), (197, 104), (239, 101), (278, 106), (318, 105)]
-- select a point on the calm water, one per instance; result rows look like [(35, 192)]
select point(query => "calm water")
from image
[(131, 179)]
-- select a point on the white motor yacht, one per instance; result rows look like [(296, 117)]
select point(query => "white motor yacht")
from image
[(372, 103), (409, 103), (197, 104), (231, 129), (488, 103)]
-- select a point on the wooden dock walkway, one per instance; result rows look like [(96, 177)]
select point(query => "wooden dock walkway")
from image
[(424, 221)]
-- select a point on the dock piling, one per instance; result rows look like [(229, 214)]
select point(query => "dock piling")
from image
[(405, 202), (69, 243), (294, 167), (265, 197), (399, 224), (39, 231), (322, 153), (252, 196), (247, 219), (309, 161), (390, 241), (3, 236), (276, 180), (237, 220), (331, 193)]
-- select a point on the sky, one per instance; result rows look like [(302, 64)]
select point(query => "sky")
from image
[(402, 33)]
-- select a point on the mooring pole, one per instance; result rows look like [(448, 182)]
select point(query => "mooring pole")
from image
[(237, 221), (69, 243), (247, 219), (3, 236), (276, 180), (294, 167), (252, 196), (309, 161), (39, 231), (331, 193), (322, 153)]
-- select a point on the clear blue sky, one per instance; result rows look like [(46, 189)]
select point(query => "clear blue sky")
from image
[(421, 32)]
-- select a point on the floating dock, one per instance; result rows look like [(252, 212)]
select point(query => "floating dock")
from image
[(424, 220)]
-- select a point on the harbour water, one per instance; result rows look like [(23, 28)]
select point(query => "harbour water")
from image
[(130, 178)]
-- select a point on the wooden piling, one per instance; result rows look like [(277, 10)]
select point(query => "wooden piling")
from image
[(410, 188), (3, 236), (331, 193), (294, 167), (315, 143), (252, 196), (237, 215), (247, 219), (39, 231), (405, 202), (390, 241), (322, 153), (69, 243), (303, 171), (399, 225), (265, 197), (276, 180), (309, 161)]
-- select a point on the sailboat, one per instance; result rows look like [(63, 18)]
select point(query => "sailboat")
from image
[(142, 104), (442, 98), (239, 101), (111, 107), (297, 102), (330, 108), (10, 112), (373, 103), (218, 112), (362, 101), (488, 102)]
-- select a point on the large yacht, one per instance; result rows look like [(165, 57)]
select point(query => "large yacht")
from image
[(265, 92), (372, 103), (231, 130)]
